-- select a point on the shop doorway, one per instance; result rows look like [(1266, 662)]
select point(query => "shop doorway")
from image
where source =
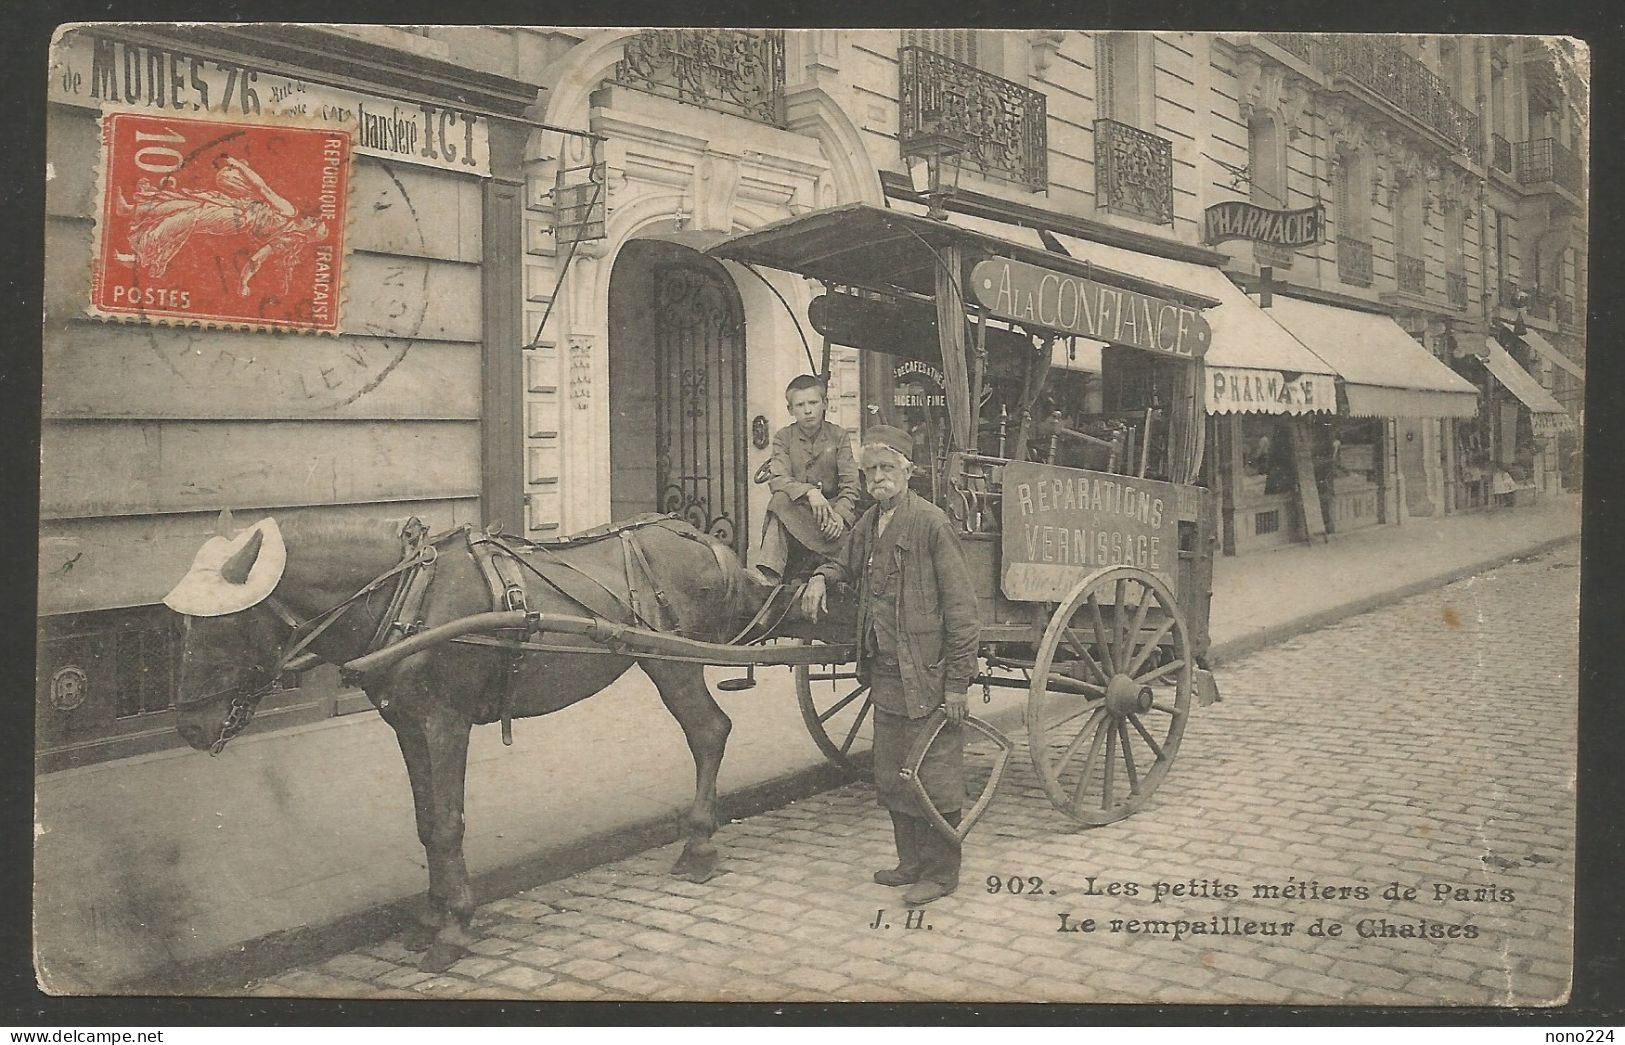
[(678, 420)]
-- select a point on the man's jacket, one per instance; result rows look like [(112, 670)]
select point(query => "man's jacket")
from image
[(938, 618), (798, 464)]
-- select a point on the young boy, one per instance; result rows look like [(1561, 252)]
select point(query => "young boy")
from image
[(814, 479)]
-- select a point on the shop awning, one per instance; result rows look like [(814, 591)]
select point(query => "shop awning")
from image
[(890, 250), (1253, 365), (1549, 414), (1385, 373), (1552, 352)]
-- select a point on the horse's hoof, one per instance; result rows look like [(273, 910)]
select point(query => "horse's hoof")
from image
[(698, 868), (440, 956), (418, 938)]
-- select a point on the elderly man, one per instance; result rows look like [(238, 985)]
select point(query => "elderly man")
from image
[(918, 632), (814, 480)]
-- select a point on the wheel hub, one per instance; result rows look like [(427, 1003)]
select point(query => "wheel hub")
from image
[(1125, 697)]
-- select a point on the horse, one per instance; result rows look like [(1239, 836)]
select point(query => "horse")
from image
[(335, 595)]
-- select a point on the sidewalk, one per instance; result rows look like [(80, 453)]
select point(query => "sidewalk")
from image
[(302, 842)]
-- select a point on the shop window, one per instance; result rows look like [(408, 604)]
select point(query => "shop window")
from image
[(1124, 77), (1266, 457), (1267, 522)]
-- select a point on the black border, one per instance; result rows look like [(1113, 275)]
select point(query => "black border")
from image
[(1599, 972)]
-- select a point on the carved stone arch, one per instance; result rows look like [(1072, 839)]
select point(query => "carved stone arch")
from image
[(569, 92), (811, 111)]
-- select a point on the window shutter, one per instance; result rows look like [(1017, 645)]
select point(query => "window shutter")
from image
[(958, 44)]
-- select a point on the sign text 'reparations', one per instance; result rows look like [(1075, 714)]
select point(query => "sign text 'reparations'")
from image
[(1025, 293), (1062, 524)]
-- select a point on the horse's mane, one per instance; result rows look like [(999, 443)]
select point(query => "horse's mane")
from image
[(313, 528)]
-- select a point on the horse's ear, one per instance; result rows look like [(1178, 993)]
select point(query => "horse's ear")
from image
[(236, 569), (223, 525)]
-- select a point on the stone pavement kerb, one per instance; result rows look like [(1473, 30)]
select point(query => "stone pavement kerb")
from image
[(174, 868)]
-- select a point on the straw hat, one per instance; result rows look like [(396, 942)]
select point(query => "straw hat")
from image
[(230, 574)]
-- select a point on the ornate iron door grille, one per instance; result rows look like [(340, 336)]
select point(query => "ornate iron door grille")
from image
[(700, 408)]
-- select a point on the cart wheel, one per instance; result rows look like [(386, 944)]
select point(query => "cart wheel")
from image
[(1111, 691), (836, 708)]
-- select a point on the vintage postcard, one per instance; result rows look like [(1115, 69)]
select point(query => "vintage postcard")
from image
[(811, 515)]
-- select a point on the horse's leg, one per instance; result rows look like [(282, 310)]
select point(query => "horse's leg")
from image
[(446, 738), (415, 753), (683, 690)]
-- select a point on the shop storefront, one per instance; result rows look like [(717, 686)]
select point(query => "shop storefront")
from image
[(1520, 425), (277, 264), (1383, 376)]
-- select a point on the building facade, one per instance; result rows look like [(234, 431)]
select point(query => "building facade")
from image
[(533, 336)]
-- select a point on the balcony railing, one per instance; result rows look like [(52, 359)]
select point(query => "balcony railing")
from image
[(1455, 288), (1384, 69), (1354, 261), (1502, 158), (1412, 274), (1299, 45), (1548, 160), (1134, 172), (729, 70), (1003, 124)]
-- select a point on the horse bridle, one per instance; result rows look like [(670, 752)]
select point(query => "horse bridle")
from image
[(246, 696)]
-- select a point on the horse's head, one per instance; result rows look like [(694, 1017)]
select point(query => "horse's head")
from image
[(232, 643)]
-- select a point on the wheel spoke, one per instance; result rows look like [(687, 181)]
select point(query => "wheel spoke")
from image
[(1150, 741), (1152, 644), (1068, 684), (1128, 759), (1073, 748), (852, 733), (1120, 589), (1070, 637), (1166, 710), (1100, 635), (1167, 669), (1088, 768), (1125, 652), (1111, 765), (844, 701)]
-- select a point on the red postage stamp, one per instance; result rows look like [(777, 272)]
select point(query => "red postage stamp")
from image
[(219, 222)]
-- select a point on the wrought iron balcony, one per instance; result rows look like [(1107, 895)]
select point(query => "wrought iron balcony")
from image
[(1548, 160), (1004, 124), (1383, 68), (1412, 274), (1502, 158), (1455, 288), (1354, 261), (1134, 172), (1299, 45), (728, 70)]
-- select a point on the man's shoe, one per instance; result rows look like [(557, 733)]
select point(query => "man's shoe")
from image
[(923, 892), (896, 876)]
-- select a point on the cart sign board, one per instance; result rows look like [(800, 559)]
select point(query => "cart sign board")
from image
[(1024, 293), (1238, 219), (1062, 524)]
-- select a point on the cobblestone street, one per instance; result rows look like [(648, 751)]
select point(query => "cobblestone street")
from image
[(1401, 782)]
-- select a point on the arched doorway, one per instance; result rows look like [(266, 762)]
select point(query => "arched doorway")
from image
[(678, 418)]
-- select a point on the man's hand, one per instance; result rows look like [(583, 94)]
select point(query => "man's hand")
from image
[(831, 525), (812, 597), (957, 706)]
